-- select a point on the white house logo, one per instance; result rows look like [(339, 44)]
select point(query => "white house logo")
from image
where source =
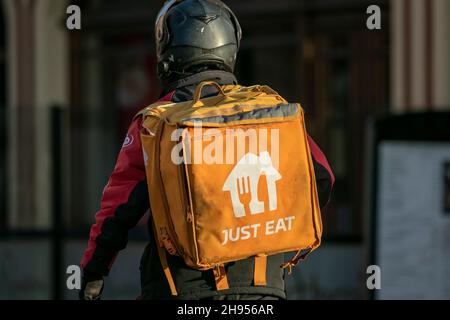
[(244, 178)]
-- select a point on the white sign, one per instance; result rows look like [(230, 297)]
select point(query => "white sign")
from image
[(412, 227)]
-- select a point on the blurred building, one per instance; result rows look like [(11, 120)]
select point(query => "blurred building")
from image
[(317, 52)]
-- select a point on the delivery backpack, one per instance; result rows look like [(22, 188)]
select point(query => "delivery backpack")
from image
[(230, 177)]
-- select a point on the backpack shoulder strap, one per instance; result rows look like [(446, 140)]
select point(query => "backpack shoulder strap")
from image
[(220, 276), (165, 265), (259, 273)]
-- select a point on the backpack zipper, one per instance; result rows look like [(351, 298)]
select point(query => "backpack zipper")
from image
[(184, 185)]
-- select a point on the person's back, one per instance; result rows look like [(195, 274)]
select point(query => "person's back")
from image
[(197, 40)]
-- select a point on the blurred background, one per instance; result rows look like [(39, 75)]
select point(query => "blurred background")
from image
[(67, 98)]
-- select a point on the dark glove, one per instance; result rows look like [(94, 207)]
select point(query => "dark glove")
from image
[(91, 286)]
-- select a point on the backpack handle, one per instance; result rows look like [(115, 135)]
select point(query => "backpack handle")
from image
[(198, 92)]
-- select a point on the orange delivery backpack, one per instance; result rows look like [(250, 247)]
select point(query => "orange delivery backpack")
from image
[(230, 177)]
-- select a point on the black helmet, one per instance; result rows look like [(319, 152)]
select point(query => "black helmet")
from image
[(191, 34)]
